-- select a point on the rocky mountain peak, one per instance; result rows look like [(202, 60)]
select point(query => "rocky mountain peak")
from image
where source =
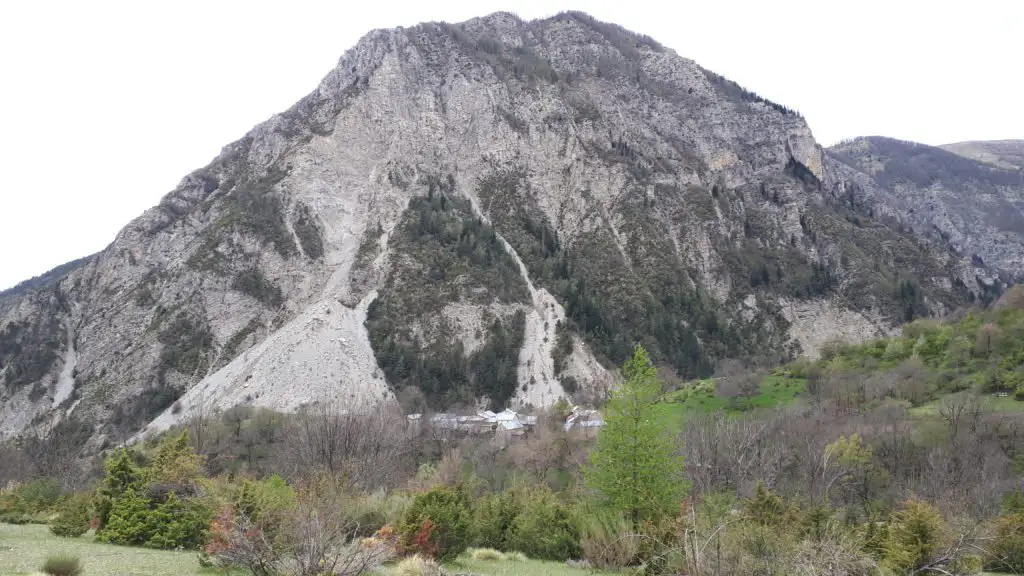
[(493, 212)]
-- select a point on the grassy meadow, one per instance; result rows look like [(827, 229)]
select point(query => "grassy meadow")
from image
[(24, 548)]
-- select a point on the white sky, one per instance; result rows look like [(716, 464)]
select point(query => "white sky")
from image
[(105, 105)]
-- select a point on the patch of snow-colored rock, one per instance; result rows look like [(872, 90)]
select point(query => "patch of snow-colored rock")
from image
[(323, 354), (813, 323)]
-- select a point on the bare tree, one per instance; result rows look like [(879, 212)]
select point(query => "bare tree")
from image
[(370, 449), (198, 424)]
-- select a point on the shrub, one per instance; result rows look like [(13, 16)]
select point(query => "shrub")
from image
[(127, 523), (966, 565), (607, 540), (178, 524), (38, 495), (62, 565), (418, 566), (1008, 546), (437, 523), (917, 533), (73, 517), (174, 523), (493, 517), (516, 556), (486, 554), (545, 529)]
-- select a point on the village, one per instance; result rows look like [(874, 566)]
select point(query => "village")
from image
[(505, 425)]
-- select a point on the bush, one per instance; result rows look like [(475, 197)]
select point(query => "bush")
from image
[(607, 540), (137, 521), (917, 533), (73, 517), (437, 523), (486, 554), (418, 566), (38, 495), (545, 529), (1008, 547), (127, 523), (62, 565), (966, 565), (493, 517)]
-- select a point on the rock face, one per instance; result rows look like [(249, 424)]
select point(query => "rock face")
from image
[(490, 212), (967, 196)]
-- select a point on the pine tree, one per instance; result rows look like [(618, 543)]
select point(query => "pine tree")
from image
[(175, 462), (635, 468), (128, 523), (121, 475)]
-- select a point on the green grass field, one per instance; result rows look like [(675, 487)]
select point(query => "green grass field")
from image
[(23, 548), (990, 403), (699, 398)]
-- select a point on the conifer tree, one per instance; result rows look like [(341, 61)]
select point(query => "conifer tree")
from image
[(635, 468)]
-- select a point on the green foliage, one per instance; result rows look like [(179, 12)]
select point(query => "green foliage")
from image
[(533, 522), (120, 475), (1008, 547), (493, 518), (73, 516), (982, 351), (175, 462), (127, 522), (607, 539), (493, 369), (62, 565), (766, 508), (615, 300), (136, 520), (255, 206), (29, 348), (966, 565), (917, 533), (38, 495), (563, 347), (175, 524), (254, 283), (635, 468), (266, 499), (448, 511), (186, 342), (464, 260), (310, 237), (544, 529), (151, 505)]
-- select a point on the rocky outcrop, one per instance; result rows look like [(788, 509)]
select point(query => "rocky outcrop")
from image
[(968, 197), (491, 211)]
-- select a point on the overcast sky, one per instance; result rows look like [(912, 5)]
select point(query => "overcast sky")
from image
[(104, 105)]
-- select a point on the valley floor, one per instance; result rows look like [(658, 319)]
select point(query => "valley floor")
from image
[(24, 548)]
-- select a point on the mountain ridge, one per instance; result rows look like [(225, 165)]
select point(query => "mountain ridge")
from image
[(975, 208)]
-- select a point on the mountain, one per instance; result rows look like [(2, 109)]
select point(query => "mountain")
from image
[(1006, 154), (488, 212), (968, 196)]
